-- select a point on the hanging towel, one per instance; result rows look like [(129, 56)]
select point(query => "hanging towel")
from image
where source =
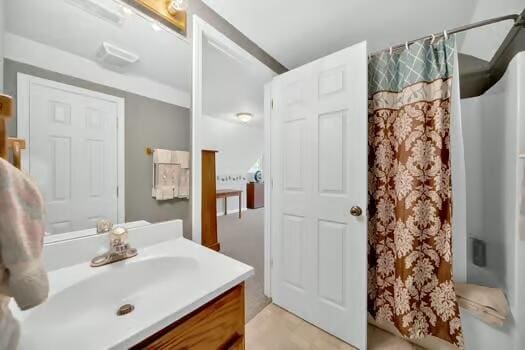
[(22, 275), (184, 183), (182, 158), (488, 304), (171, 174)]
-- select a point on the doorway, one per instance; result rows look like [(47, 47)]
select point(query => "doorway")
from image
[(315, 163), (229, 119)]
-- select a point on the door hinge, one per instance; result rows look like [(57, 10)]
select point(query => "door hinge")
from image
[(117, 191), (272, 103), (271, 263)]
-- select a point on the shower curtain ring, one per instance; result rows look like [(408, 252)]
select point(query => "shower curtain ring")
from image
[(390, 49), (406, 45), (432, 40), (445, 34)]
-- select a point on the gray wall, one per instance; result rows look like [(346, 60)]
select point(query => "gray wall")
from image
[(149, 123)]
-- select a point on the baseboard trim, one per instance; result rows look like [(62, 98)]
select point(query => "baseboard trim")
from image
[(233, 211)]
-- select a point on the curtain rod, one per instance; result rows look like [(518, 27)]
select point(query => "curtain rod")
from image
[(518, 20)]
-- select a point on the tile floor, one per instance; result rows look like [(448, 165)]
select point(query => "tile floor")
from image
[(276, 329)]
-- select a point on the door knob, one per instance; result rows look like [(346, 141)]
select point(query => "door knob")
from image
[(356, 211)]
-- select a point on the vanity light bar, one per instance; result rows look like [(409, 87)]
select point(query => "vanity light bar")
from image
[(128, 9)]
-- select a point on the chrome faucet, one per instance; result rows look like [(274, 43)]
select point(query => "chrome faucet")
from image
[(119, 248)]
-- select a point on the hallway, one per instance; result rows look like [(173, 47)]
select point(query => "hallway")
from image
[(243, 240)]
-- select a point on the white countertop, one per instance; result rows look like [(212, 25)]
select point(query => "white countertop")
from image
[(165, 282)]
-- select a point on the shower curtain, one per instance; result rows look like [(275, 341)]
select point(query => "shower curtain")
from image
[(410, 192)]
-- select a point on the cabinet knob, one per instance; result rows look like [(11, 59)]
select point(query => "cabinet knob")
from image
[(356, 211)]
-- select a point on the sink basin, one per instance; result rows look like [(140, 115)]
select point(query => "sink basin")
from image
[(163, 283), (141, 283), (101, 295)]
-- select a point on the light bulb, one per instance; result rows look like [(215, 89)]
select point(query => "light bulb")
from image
[(178, 6)]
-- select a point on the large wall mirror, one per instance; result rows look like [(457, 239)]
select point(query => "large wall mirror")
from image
[(95, 87)]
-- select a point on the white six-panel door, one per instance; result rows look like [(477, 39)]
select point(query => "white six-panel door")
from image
[(319, 172), (72, 152)]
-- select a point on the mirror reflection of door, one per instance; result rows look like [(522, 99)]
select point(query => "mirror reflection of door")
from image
[(74, 151), (95, 86)]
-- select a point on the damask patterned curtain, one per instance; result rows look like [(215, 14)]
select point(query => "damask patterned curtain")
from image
[(410, 193)]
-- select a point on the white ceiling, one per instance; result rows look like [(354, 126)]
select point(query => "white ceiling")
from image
[(293, 31), (164, 56), (232, 84), (298, 31)]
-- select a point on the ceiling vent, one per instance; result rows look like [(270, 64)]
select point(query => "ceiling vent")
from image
[(104, 9), (115, 56)]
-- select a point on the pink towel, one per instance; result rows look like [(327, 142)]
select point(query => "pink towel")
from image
[(22, 275)]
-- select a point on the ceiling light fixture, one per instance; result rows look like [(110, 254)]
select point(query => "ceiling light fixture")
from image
[(116, 56), (244, 117)]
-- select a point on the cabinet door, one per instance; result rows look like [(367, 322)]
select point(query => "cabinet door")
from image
[(218, 325)]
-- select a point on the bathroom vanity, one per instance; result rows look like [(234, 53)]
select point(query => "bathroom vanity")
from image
[(217, 325), (174, 294)]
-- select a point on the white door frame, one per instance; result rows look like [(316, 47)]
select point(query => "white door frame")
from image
[(201, 29), (268, 184), (24, 82)]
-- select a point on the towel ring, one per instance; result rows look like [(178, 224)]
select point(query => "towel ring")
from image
[(445, 34)]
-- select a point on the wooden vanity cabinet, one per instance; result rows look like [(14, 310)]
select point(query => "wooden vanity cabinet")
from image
[(218, 325)]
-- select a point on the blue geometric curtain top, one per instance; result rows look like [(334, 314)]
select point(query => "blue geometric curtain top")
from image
[(422, 62)]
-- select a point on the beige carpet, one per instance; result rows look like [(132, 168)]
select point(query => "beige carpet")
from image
[(243, 240)]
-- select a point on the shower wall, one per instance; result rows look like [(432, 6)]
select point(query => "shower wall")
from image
[(494, 135)]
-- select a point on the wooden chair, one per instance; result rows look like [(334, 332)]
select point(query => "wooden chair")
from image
[(8, 143)]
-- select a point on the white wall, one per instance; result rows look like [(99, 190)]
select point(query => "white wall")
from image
[(2, 24), (491, 156), (239, 146), (494, 134), (36, 54)]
